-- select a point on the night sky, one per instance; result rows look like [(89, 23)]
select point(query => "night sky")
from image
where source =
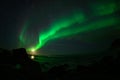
[(60, 27)]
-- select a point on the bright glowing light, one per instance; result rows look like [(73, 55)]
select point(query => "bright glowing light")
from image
[(32, 50), (32, 57)]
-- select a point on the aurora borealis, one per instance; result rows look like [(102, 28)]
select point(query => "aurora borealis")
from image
[(74, 27), (53, 32)]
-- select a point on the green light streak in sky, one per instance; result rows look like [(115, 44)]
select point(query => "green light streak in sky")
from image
[(58, 26), (22, 34), (92, 26), (66, 26), (53, 33)]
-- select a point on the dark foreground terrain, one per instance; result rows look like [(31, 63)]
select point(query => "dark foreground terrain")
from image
[(17, 65)]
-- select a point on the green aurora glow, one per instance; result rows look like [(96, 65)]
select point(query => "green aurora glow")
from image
[(105, 8), (22, 37), (64, 27)]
